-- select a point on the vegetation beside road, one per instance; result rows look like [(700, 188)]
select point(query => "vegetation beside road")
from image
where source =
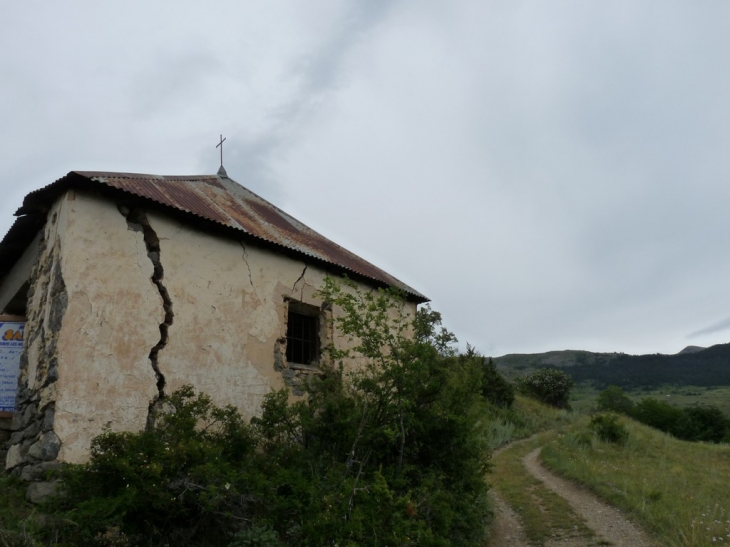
[(677, 489), (395, 453), (544, 514)]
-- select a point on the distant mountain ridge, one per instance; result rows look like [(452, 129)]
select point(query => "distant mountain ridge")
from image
[(691, 366), (691, 349)]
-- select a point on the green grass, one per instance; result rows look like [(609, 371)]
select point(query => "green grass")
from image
[(19, 522), (526, 417), (676, 489), (583, 397), (684, 396), (544, 514)]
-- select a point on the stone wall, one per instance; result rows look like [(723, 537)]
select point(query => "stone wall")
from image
[(33, 445)]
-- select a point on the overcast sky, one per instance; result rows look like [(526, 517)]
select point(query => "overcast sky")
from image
[(553, 175)]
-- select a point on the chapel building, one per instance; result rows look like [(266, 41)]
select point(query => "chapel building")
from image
[(133, 285)]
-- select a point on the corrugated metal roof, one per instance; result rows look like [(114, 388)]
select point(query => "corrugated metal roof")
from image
[(215, 198)]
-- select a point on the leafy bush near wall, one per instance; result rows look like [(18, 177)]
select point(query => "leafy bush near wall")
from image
[(193, 474), (392, 454), (549, 385)]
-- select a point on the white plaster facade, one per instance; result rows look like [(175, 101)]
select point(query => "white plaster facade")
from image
[(94, 315)]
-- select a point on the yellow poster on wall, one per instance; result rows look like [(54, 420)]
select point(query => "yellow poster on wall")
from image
[(11, 346)]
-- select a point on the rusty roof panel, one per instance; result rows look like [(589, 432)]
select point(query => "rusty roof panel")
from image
[(223, 201)]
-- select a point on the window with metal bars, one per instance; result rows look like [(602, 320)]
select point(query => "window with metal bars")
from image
[(302, 338)]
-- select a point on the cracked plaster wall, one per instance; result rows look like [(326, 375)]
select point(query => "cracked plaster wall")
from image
[(227, 338), (114, 309), (231, 308)]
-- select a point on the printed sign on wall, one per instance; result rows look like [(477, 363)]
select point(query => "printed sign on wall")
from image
[(11, 346)]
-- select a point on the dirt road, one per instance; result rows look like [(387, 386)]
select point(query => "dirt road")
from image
[(608, 523)]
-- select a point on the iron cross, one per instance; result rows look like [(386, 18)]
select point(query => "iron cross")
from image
[(221, 145)]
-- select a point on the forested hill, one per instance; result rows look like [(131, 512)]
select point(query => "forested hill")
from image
[(515, 364), (707, 367)]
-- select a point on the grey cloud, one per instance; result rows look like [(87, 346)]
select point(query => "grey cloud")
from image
[(716, 327), (318, 73)]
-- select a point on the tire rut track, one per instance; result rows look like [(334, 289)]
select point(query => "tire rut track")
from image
[(610, 525)]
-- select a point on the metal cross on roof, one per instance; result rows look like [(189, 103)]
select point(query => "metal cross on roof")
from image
[(221, 145)]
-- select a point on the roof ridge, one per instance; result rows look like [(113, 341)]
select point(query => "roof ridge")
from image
[(222, 201)]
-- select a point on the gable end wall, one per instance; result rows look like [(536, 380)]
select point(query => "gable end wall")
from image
[(150, 305)]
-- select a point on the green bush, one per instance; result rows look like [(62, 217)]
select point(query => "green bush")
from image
[(702, 423), (549, 385), (696, 423), (256, 536), (495, 387), (579, 439), (609, 428), (657, 414), (613, 399), (186, 480), (391, 454)]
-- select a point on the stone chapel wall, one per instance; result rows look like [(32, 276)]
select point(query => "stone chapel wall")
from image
[(128, 304)]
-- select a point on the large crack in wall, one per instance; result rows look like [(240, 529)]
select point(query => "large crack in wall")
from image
[(137, 220), (245, 259), (300, 278)]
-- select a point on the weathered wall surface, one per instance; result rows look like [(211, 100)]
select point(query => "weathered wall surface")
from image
[(105, 378), (230, 303), (33, 445), (151, 305)]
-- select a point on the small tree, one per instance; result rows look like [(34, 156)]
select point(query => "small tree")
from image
[(614, 399), (702, 423), (549, 385), (657, 414), (494, 386), (609, 428)]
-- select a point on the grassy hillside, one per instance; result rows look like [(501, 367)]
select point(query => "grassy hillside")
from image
[(583, 397), (675, 488)]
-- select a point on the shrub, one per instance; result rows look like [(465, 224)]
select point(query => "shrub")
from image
[(494, 386), (549, 385), (391, 454), (613, 399), (702, 423), (186, 479), (696, 423), (608, 428), (579, 439), (657, 414)]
